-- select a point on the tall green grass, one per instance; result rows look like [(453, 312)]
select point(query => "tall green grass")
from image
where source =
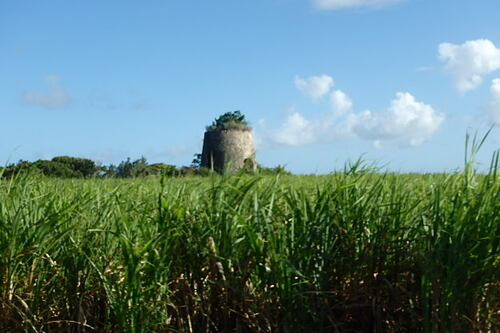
[(354, 251)]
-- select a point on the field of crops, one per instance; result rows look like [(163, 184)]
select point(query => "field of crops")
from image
[(354, 251)]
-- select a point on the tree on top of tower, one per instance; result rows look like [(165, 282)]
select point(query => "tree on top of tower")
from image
[(230, 120)]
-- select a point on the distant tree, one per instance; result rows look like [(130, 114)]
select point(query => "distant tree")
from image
[(87, 168), (196, 163), (125, 169), (109, 171), (278, 170), (13, 169), (141, 168), (55, 169), (73, 167), (163, 169), (62, 167)]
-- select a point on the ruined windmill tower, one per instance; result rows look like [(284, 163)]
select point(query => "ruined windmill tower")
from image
[(228, 144)]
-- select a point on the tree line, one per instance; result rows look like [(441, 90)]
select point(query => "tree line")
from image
[(77, 167)]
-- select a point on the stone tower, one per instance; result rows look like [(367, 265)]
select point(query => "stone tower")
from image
[(228, 150), (228, 144)]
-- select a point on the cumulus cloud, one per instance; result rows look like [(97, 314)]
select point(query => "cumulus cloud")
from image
[(341, 103), (296, 131), (494, 107), (344, 4), (406, 122), (314, 86), (319, 86), (469, 62), (55, 98)]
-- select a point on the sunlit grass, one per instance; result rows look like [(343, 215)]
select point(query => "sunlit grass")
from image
[(352, 251)]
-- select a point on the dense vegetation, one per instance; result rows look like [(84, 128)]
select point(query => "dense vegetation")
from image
[(354, 251), (75, 167), (230, 120)]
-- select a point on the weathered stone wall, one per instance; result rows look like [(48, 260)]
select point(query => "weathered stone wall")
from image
[(230, 150)]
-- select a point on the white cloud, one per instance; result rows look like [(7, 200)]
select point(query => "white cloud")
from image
[(468, 62), (55, 98), (344, 4), (341, 103), (296, 131), (405, 122), (314, 86), (494, 107)]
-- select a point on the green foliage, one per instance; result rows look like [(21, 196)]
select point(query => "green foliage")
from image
[(129, 169), (140, 168), (12, 170), (61, 167), (196, 163), (85, 167), (354, 251), (73, 167), (229, 120), (278, 170), (55, 169), (163, 169)]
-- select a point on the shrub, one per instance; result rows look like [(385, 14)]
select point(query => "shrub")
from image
[(230, 120)]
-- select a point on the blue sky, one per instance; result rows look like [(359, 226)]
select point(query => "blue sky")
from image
[(321, 81)]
